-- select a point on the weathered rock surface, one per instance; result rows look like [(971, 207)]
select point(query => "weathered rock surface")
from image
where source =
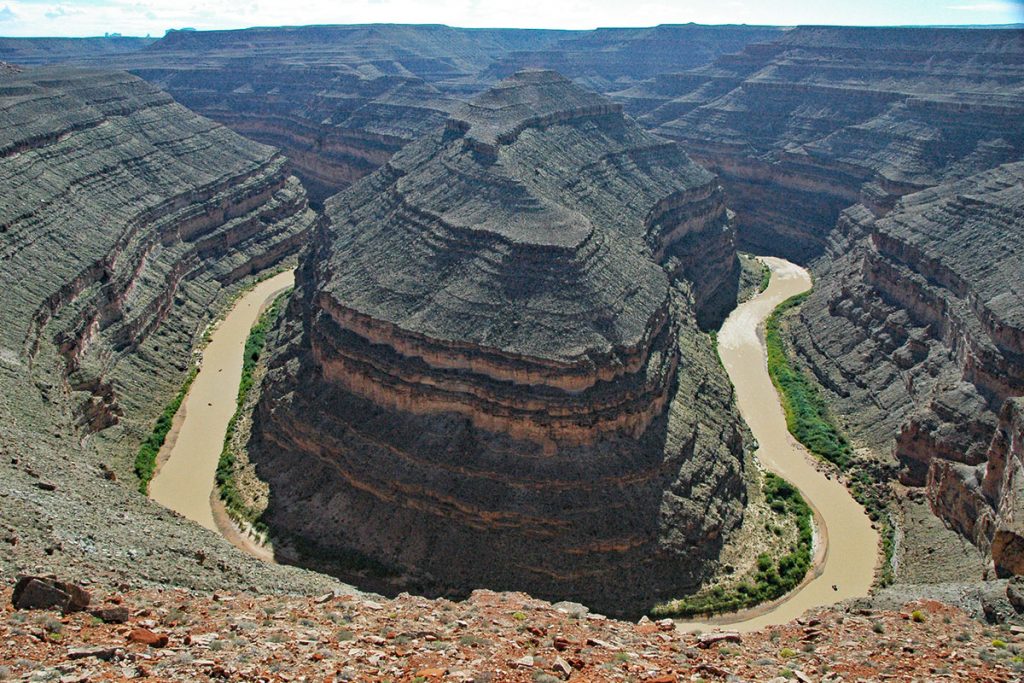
[(500, 638), (825, 117), (340, 100), (494, 374), (124, 220), (917, 331)]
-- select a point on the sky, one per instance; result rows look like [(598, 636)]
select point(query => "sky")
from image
[(154, 17)]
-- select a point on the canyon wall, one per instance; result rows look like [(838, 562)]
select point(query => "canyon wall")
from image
[(340, 100), (887, 158), (825, 117), (916, 328), (125, 220), (491, 373)]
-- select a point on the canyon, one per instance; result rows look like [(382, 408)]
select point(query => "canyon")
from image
[(498, 357), (126, 221), (486, 360)]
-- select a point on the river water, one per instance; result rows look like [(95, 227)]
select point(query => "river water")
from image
[(185, 480), (847, 544)]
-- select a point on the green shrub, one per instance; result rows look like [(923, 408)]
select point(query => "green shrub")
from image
[(773, 579), (254, 345)]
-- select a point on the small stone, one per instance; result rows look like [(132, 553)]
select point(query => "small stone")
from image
[(104, 652), (431, 673), (561, 643), (111, 614), (573, 609), (36, 592), (561, 666), (46, 485), (708, 639), (525, 662), (147, 637)]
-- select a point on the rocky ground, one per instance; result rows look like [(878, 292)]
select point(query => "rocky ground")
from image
[(179, 635)]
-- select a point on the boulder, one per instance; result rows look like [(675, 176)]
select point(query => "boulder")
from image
[(38, 592)]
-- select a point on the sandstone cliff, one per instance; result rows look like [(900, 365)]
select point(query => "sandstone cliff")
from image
[(124, 218), (490, 378)]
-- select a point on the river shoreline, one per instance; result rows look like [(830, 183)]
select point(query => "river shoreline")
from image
[(186, 474), (845, 548)]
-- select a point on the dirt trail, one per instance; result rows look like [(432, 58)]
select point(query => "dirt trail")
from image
[(847, 545), (185, 480)]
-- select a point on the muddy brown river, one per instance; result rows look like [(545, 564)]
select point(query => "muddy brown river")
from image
[(185, 480), (846, 543)]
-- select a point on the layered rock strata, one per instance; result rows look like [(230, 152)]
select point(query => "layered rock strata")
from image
[(340, 100), (124, 220), (918, 331), (825, 117), (492, 373)]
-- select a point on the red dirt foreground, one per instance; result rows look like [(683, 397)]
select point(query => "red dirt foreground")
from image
[(489, 637)]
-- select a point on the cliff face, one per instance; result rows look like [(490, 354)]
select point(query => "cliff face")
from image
[(823, 118), (124, 217), (340, 100), (490, 380), (917, 329)]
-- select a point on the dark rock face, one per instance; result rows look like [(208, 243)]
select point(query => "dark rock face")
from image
[(825, 117), (918, 332), (489, 378), (124, 220), (38, 592)]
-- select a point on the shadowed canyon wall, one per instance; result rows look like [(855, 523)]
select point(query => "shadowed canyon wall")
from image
[(487, 378)]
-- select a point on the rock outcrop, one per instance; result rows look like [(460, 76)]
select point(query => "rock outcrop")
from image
[(917, 331), (493, 373), (825, 117), (890, 159), (125, 219)]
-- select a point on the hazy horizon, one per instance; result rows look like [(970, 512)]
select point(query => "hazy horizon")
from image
[(88, 18)]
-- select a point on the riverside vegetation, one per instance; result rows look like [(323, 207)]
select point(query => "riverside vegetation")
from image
[(255, 343), (810, 422), (145, 459), (772, 579)]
